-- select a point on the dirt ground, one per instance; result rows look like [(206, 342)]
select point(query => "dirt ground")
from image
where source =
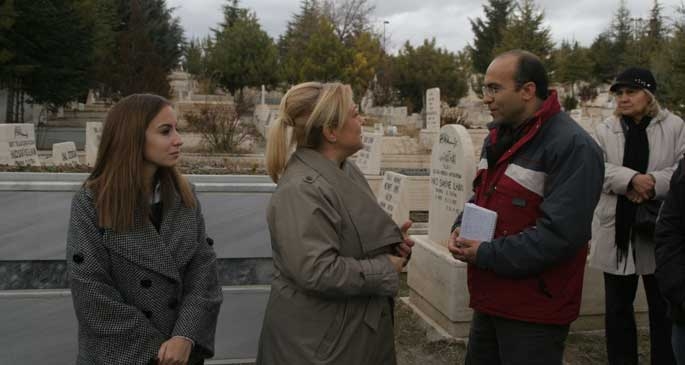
[(417, 344)]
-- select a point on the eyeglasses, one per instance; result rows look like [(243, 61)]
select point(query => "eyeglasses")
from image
[(491, 90)]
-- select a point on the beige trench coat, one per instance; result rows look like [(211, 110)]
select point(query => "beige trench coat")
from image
[(331, 296), (666, 136)]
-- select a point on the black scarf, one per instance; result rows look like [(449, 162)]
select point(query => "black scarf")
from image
[(507, 136), (636, 157)]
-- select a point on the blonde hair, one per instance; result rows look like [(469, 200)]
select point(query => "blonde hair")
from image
[(306, 109), (652, 110)]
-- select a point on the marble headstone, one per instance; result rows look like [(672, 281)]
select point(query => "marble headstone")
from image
[(392, 196), (64, 154), (93, 135), (369, 157), (18, 144), (451, 176), (433, 109)]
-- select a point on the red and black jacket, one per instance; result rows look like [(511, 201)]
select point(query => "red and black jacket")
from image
[(544, 189)]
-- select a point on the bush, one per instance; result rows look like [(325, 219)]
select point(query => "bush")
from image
[(569, 103), (221, 128), (453, 115), (587, 93)]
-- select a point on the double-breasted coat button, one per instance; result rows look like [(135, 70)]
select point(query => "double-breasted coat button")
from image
[(173, 303), (78, 258), (308, 179), (210, 241), (147, 313), (146, 283)]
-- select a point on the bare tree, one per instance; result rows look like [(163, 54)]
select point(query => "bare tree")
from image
[(349, 17)]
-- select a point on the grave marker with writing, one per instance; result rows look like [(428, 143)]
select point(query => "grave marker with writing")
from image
[(93, 135), (452, 172), (64, 154), (433, 109), (369, 157), (18, 144)]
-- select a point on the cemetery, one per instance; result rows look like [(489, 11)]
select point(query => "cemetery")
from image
[(425, 178), (423, 127)]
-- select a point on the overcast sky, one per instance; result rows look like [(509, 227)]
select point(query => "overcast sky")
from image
[(446, 20)]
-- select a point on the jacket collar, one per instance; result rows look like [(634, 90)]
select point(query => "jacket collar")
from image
[(373, 225), (549, 108), (616, 123)]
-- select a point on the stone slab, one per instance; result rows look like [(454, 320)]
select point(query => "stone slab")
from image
[(439, 279), (452, 172), (64, 153), (438, 289), (368, 159), (93, 135), (236, 221), (44, 329), (18, 144)]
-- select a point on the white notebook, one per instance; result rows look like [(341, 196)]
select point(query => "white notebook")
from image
[(478, 223)]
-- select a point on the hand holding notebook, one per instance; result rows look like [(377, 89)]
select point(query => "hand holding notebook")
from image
[(478, 223)]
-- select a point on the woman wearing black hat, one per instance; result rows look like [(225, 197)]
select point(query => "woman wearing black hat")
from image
[(642, 144)]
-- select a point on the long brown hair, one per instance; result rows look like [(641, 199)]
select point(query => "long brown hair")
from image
[(117, 179), (305, 110)]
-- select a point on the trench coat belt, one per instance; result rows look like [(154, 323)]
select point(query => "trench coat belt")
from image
[(373, 308)]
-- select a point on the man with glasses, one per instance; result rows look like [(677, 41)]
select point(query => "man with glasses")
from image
[(542, 173)]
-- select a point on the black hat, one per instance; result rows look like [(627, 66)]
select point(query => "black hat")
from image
[(635, 77)]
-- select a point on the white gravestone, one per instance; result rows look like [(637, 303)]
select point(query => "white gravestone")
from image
[(437, 281), (93, 135), (392, 196), (64, 154), (451, 177), (433, 109), (369, 157), (18, 145)]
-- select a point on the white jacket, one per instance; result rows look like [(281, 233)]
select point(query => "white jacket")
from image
[(666, 136)]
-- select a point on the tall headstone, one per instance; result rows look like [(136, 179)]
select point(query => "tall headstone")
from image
[(64, 154), (369, 157), (433, 109), (428, 137), (393, 196), (93, 135), (18, 144), (451, 176)]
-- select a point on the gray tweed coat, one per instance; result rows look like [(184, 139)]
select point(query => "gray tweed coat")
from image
[(132, 291)]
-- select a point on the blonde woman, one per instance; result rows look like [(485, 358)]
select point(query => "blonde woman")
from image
[(337, 256), (642, 144), (142, 271)]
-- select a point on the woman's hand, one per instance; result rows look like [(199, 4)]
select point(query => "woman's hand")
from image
[(643, 183), (175, 351), (398, 262), (404, 248)]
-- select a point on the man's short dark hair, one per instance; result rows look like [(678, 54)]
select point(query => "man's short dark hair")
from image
[(530, 69)]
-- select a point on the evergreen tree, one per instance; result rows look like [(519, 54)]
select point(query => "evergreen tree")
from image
[(572, 64), (47, 54), (622, 39), (489, 32), (526, 31), (603, 58), (669, 67), (243, 54), (417, 69)]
